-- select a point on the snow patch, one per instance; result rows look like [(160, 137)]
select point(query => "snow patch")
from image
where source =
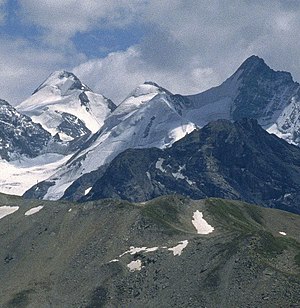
[(201, 224), (282, 233), (158, 165), (178, 175), (113, 261), (177, 250), (135, 265), (7, 210), (33, 210), (133, 250), (151, 249), (87, 190), (180, 132)]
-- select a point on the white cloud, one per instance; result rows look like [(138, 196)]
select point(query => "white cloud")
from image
[(24, 67), (189, 46), (61, 20), (193, 45), (117, 74)]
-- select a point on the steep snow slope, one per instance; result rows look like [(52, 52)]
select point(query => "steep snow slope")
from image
[(138, 123), (64, 105)]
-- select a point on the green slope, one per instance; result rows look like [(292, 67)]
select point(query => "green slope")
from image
[(60, 256)]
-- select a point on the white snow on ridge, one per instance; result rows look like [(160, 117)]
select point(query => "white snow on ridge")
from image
[(201, 224), (7, 210), (34, 210)]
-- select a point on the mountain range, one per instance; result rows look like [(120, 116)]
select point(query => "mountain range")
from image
[(151, 202), (81, 132)]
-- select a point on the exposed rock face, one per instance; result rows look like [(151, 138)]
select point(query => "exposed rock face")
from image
[(230, 160), (19, 135)]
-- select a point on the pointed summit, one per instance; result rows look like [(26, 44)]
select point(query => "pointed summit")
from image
[(63, 105), (256, 66), (253, 61), (63, 81), (147, 88)]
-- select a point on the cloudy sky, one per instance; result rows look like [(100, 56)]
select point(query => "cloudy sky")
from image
[(186, 46)]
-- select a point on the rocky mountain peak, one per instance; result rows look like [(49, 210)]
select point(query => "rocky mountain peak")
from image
[(19, 135), (255, 67), (252, 61)]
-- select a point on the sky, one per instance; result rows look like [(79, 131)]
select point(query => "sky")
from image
[(186, 46)]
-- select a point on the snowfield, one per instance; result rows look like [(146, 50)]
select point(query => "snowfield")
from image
[(17, 177), (7, 210)]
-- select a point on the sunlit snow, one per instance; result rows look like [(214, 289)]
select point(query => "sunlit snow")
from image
[(201, 224), (18, 176), (135, 265), (133, 250), (33, 210), (7, 210), (177, 250), (149, 125), (57, 96), (114, 260), (87, 190)]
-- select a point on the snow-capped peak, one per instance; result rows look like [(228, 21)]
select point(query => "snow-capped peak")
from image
[(147, 88), (141, 95), (63, 81), (64, 105)]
